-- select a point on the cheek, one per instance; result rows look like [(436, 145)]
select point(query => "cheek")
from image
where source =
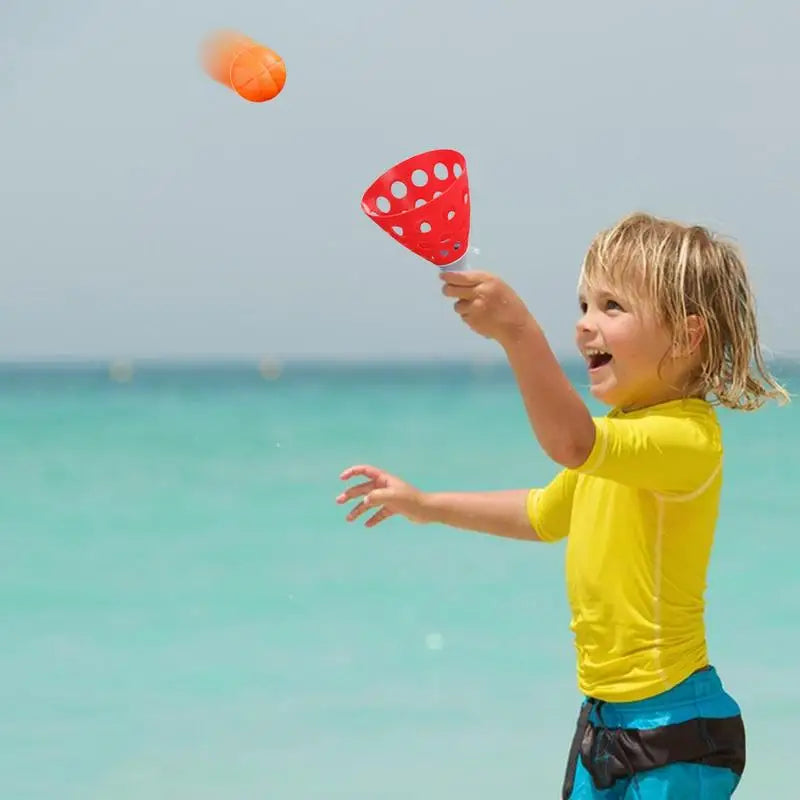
[(622, 336), (654, 356)]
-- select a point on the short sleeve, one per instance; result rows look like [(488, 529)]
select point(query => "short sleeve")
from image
[(550, 508), (660, 452)]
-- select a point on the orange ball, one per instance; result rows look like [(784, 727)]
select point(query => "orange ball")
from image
[(253, 71), (258, 74)]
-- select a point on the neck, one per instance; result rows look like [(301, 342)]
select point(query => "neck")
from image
[(657, 400)]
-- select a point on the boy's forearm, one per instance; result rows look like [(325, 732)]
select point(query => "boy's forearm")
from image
[(502, 513), (559, 417)]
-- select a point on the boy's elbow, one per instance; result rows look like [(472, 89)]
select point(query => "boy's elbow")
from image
[(569, 456), (573, 451)]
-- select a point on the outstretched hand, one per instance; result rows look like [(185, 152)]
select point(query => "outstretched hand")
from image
[(487, 304), (383, 491)]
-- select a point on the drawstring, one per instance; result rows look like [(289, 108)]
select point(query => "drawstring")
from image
[(610, 735), (598, 704)]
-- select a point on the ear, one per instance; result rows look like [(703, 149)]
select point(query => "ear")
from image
[(695, 333)]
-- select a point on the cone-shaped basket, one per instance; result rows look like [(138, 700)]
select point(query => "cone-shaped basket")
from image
[(423, 203)]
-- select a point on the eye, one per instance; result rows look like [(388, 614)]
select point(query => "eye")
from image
[(582, 306), (613, 305)]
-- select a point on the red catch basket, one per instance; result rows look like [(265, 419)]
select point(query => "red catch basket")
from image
[(423, 203)]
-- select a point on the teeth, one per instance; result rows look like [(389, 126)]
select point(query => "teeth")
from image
[(593, 352)]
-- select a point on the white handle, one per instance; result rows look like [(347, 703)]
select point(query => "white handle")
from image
[(463, 264)]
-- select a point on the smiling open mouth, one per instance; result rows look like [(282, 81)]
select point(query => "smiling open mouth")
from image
[(597, 360)]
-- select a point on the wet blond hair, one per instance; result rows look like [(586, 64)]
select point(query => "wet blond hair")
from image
[(677, 271)]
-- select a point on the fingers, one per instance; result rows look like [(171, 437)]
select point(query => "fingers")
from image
[(376, 498), (355, 491), (383, 514), (377, 517), (456, 278), (356, 511), (467, 297), (364, 470), (463, 292), (374, 491)]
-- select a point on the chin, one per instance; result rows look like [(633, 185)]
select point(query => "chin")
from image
[(605, 394)]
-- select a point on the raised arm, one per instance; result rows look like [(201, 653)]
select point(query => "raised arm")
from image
[(560, 419)]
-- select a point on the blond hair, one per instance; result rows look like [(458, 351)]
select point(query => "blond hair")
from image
[(678, 271)]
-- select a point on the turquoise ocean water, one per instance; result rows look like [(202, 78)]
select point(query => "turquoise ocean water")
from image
[(186, 614)]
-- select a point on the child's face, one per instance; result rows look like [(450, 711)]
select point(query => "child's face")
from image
[(627, 351)]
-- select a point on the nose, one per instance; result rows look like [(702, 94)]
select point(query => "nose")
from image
[(585, 324)]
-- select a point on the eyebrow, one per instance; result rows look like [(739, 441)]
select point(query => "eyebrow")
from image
[(603, 294)]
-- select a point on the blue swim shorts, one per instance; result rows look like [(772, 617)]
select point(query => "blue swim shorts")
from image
[(688, 742)]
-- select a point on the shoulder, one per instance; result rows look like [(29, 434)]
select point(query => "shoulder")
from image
[(692, 422), (669, 448)]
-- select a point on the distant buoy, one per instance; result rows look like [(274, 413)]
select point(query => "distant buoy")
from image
[(120, 371), (270, 369)]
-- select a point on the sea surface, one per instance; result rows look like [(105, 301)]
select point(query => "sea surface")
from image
[(186, 615)]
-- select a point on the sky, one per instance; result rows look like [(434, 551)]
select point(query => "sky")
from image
[(148, 212)]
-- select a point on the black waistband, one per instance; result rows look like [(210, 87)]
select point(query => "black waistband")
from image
[(609, 754)]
